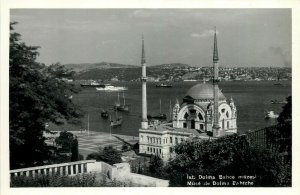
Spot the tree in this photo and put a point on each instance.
(285, 117)
(229, 155)
(107, 154)
(156, 164)
(65, 141)
(74, 149)
(38, 95)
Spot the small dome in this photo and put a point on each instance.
(203, 91)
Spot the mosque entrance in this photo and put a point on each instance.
(192, 124)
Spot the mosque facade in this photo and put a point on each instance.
(203, 113)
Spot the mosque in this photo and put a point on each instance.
(196, 117)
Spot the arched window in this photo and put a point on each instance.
(227, 124)
(186, 115)
(227, 114)
(200, 116)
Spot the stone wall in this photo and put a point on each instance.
(120, 172)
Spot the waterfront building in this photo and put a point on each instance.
(204, 113)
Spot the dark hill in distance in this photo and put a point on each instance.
(171, 65)
(122, 72)
(83, 67)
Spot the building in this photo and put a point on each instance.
(196, 117)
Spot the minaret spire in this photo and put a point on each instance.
(216, 56)
(216, 127)
(143, 51)
(144, 124)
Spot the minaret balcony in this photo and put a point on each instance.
(144, 78)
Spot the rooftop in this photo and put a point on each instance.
(203, 91)
(167, 127)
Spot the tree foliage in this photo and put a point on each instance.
(74, 149)
(65, 141)
(56, 180)
(230, 155)
(156, 164)
(38, 95)
(106, 154)
(285, 117)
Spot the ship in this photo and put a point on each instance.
(108, 87)
(92, 84)
(104, 114)
(160, 116)
(119, 107)
(163, 85)
(117, 122)
(270, 114)
(278, 102)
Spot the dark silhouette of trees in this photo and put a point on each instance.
(106, 154)
(37, 95)
(74, 150)
(230, 155)
(155, 165)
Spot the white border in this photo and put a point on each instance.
(4, 99)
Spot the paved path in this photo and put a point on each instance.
(89, 143)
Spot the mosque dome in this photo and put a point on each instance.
(203, 91)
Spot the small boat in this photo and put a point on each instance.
(278, 102)
(160, 116)
(117, 122)
(163, 85)
(119, 107)
(108, 87)
(104, 114)
(270, 114)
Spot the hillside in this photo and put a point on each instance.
(107, 71)
(84, 67)
(171, 65)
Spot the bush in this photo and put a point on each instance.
(56, 180)
(107, 154)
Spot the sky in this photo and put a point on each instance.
(246, 37)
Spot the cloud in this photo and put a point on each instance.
(283, 55)
(205, 33)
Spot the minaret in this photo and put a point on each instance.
(216, 127)
(144, 124)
